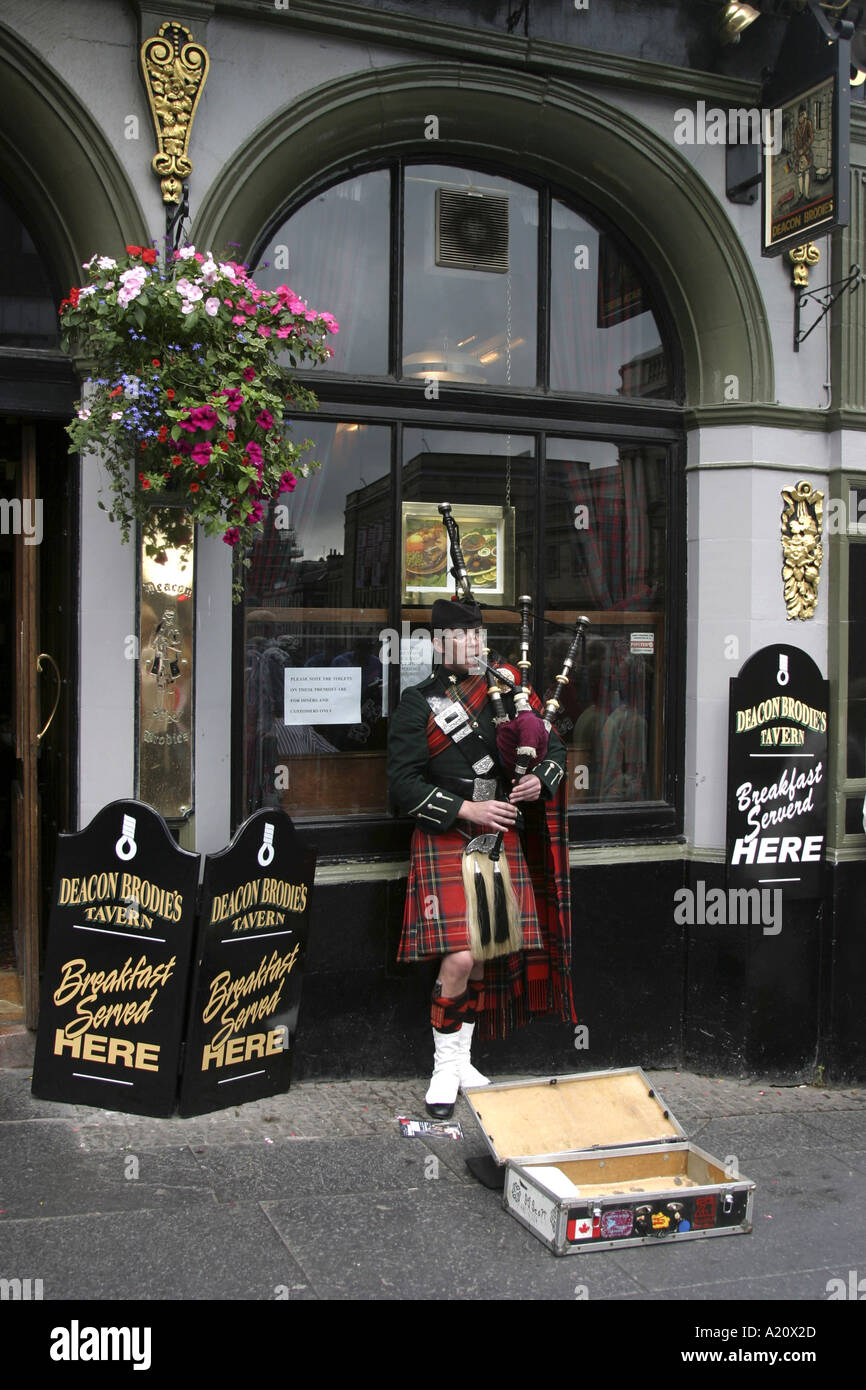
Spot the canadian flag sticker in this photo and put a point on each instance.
(580, 1228)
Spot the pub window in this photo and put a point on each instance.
(28, 312)
(485, 312)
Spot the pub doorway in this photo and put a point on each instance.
(38, 622)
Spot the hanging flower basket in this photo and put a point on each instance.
(186, 406)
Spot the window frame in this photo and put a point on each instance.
(397, 403)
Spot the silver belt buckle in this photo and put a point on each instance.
(451, 718)
(484, 764)
(484, 789)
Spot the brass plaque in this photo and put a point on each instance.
(166, 622)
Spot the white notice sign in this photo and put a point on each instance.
(643, 642)
(323, 695)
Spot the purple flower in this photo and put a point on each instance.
(204, 417)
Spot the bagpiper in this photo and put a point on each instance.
(488, 891)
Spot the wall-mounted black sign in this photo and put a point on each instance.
(777, 773)
(806, 115)
(255, 913)
(117, 965)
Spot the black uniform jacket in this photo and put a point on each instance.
(414, 778)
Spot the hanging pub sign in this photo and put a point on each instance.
(805, 123)
(120, 942)
(777, 773)
(255, 913)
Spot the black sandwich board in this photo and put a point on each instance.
(255, 914)
(119, 947)
(777, 773)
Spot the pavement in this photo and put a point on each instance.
(315, 1195)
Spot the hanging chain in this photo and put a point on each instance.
(508, 383)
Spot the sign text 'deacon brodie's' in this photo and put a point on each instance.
(256, 902)
(118, 955)
(777, 773)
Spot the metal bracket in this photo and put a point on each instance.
(826, 296)
(174, 220)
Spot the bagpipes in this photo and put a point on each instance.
(492, 911)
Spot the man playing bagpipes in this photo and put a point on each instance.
(488, 887)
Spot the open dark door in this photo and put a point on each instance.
(37, 719)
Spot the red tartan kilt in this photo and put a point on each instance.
(434, 920)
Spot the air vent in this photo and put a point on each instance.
(471, 231)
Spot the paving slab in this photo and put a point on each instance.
(439, 1242)
(218, 1252)
(43, 1173)
(317, 1167)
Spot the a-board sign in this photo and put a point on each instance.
(255, 913)
(777, 773)
(119, 948)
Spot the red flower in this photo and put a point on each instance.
(170, 394)
(176, 460)
(118, 390)
(231, 436)
(193, 487)
(163, 434)
(143, 445)
(155, 362)
(134, 250)
(145, 483)
(148, 255)
(223, 443)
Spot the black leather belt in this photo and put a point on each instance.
(474, 789)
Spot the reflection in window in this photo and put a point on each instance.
(470, 280)
(606, 526)
(856, 661)
(28, 313)
(334, 254)
(603, 335)
(315, 605)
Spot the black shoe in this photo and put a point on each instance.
(439, 1112)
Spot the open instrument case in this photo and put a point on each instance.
(597, 1160)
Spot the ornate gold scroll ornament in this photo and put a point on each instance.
(802, 548)
(175, 70)
(801, 259)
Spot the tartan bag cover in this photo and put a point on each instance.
(536, 980)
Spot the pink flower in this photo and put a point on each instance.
(201, 454)
(233, 396)
(256, 514)
(239, 319)
(265, 419)
(254, 451)
(283, 332)
(232, 536)
(204, 417)
(288, 482)
(263, 331)
(211, 305)
(330, 323)
(248, 374)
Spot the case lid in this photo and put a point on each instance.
(566, 1114)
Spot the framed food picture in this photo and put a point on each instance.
(487, 542)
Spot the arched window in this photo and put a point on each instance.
(502, 350)
(28, 312)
